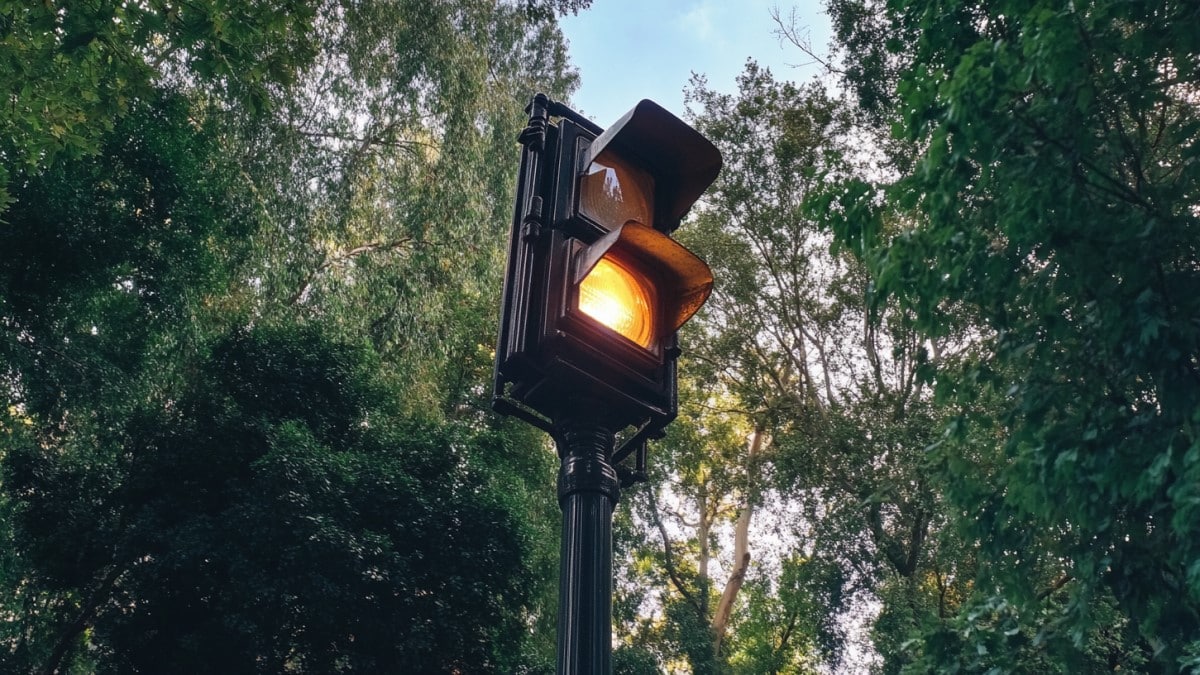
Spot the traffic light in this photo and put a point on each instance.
(596, 288)
(594, 293)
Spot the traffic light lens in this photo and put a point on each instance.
(613, 192)
(620, 300)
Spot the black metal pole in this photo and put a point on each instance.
(588, 490)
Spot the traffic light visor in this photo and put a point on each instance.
(682, 161)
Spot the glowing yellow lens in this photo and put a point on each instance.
(616, 298)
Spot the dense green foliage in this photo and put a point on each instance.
(72, 74)
(276, 509)
(243, 427)
(1049, 209)
(940, 414)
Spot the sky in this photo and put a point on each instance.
(627, 50)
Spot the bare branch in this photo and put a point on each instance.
(801, 39)
(669, 559)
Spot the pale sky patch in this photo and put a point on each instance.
(627, 50)
(697, 22)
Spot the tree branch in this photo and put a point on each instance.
(669, 560)
(1058, 583)
(81, 622)
(373, 247)
(787, 30)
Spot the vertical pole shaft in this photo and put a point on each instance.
(588, 490)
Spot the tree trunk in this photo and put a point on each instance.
(702, 531)
(741, 548)
(82, 621)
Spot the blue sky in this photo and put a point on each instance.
(627, 50)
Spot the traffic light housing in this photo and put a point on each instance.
(595, 287)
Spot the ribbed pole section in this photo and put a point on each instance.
(588, 490)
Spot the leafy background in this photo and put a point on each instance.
(940, 414)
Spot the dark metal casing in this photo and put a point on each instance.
(549, 352)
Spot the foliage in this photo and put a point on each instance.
(280, 509)
(779, 625)
(246, 317)
(800, 336)
(804, 422)
(386, 181)
(109, 256)
(1053, 211)
(633, 661)
(73, 72)
(989, 636)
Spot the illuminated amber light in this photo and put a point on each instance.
(616, 298)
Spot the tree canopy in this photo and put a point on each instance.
(939, 415)
(243, 380)
(1049, 208)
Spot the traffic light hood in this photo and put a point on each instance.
(683, 162)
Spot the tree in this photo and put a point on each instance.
(386, 181)
(109, 296)
(748, 361)
(283, 511)
(110, 255)
(73, 72)
(217, 234)
(1053, 204)
(805, 418)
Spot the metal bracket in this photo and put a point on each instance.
(531, 223)
(637, 474)
(506, 406)
(534, 135)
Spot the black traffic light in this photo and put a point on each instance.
(596, 288)
(594, 293)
